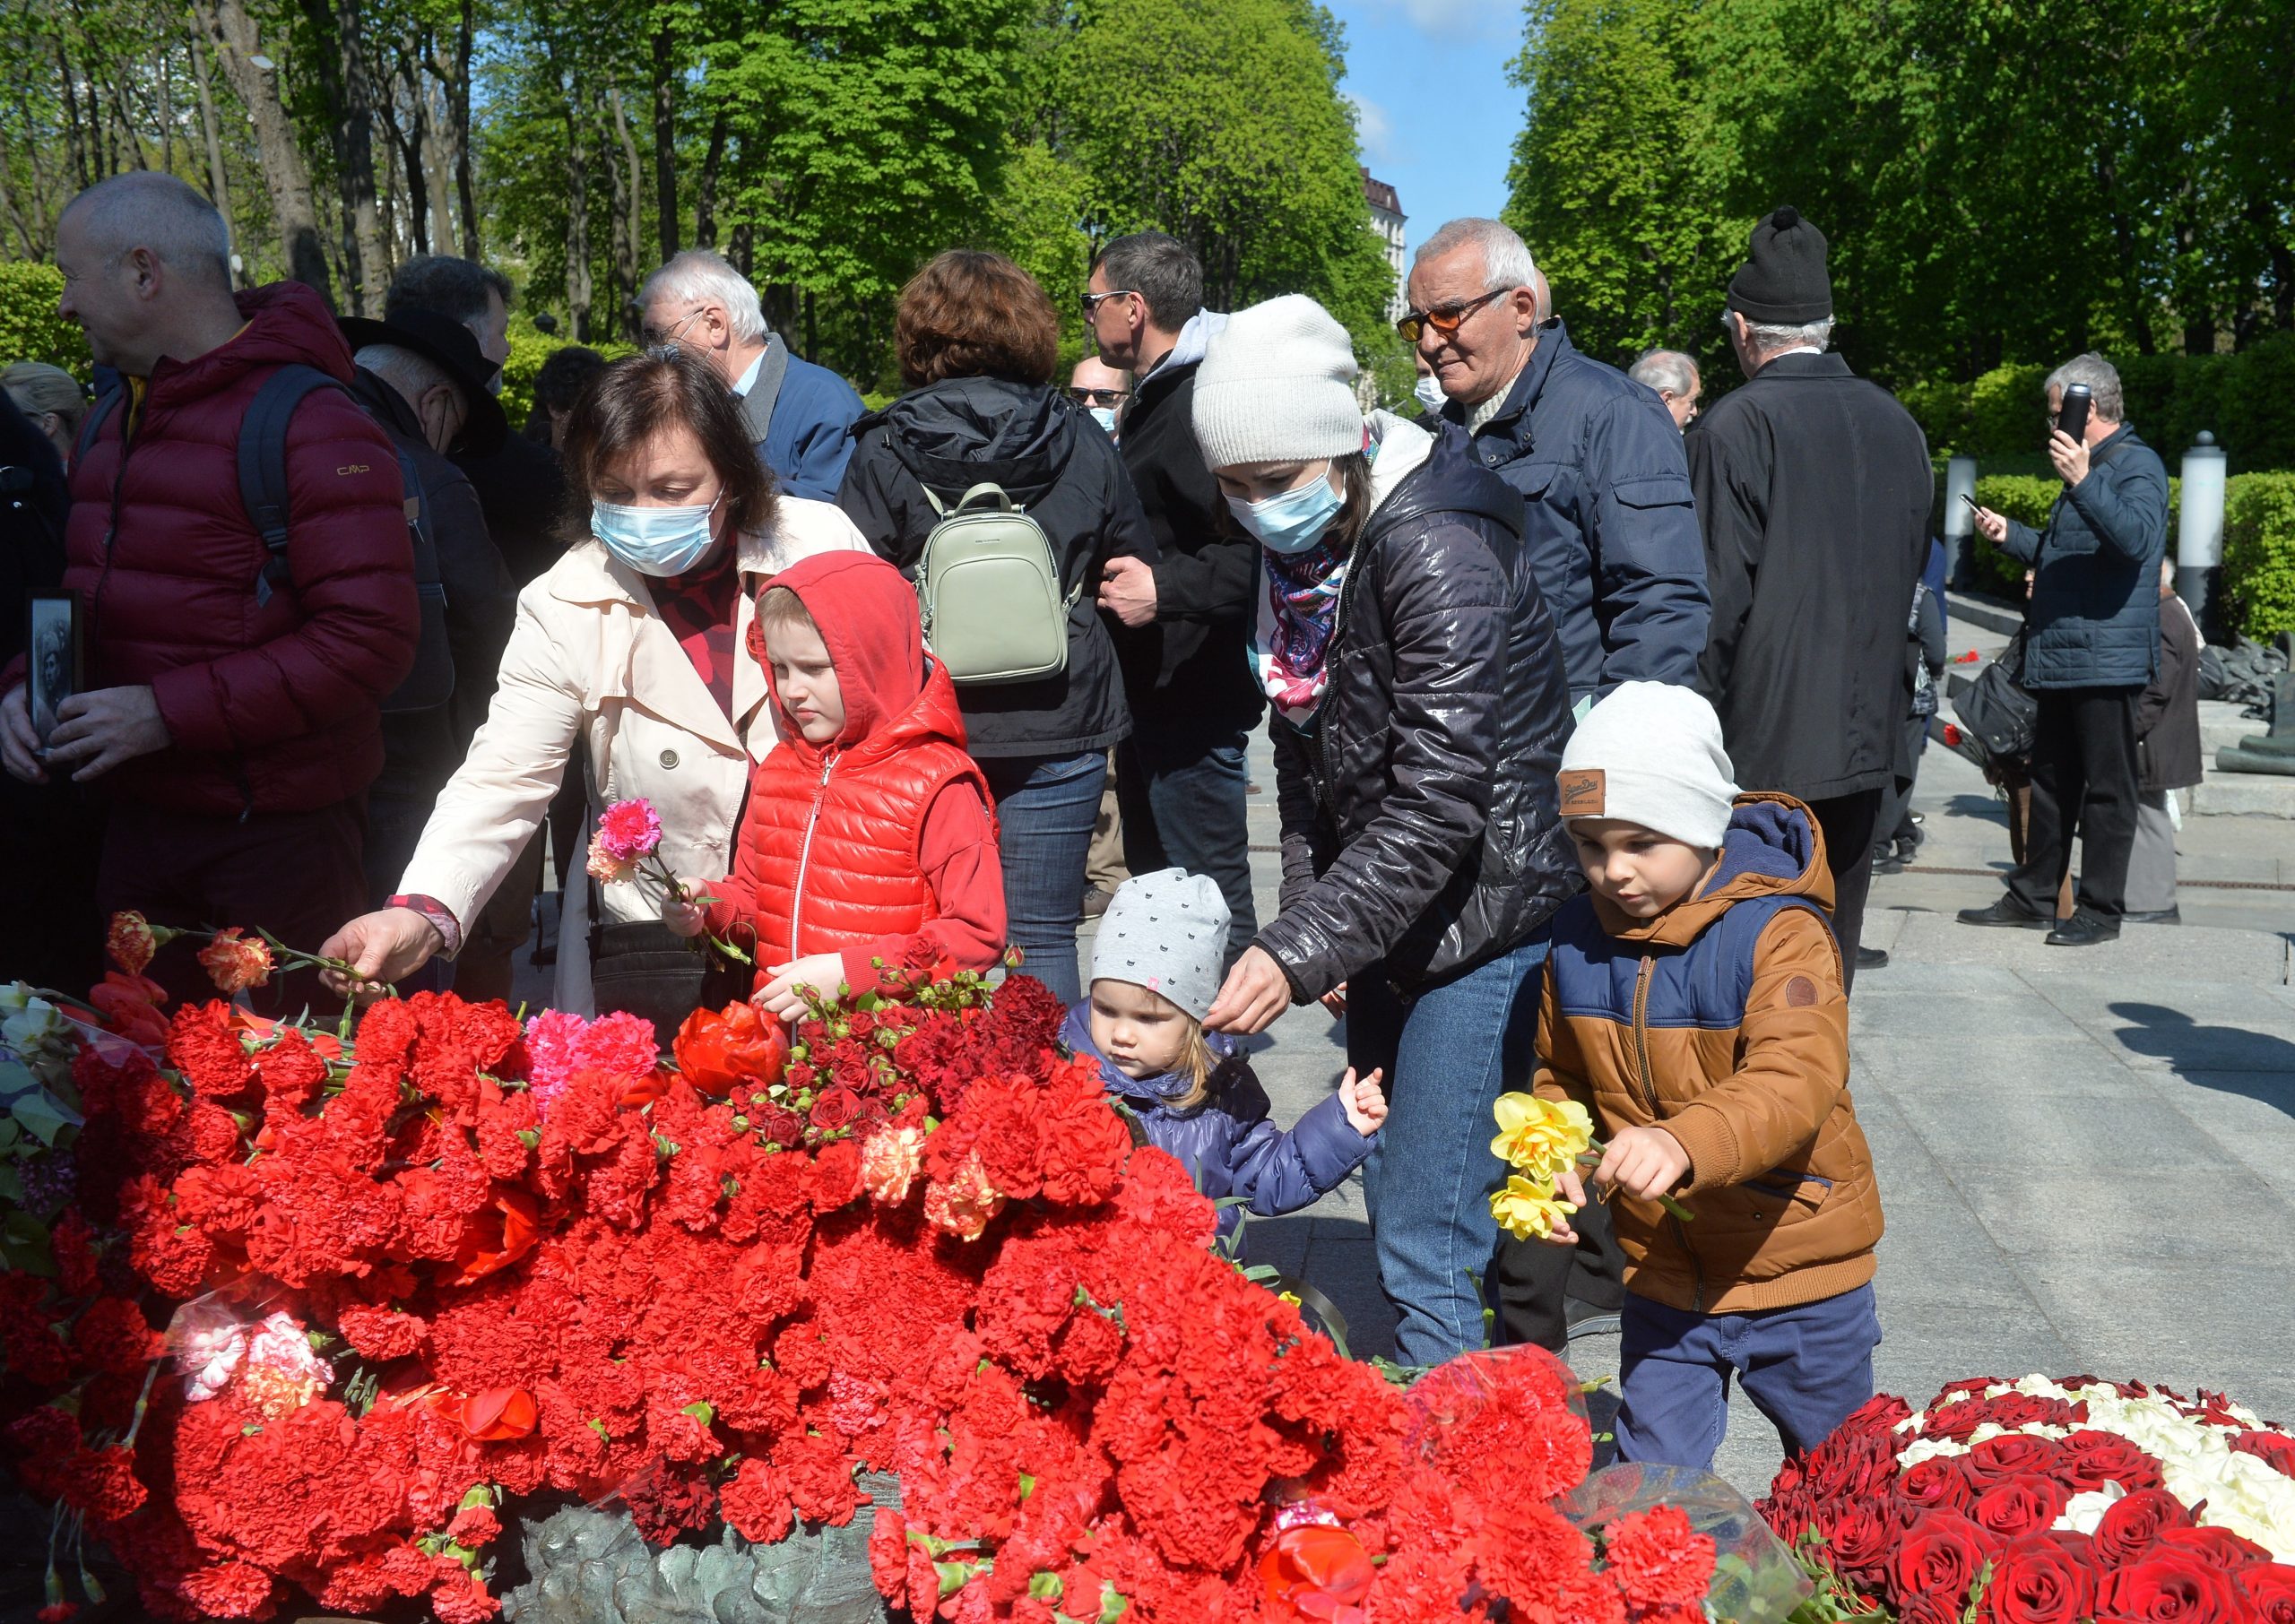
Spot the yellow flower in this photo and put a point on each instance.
(1528, 1208)
(1541, 1137)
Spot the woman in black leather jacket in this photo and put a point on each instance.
(1420, 709)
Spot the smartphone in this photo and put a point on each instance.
(1971, 502)
(2072, 418)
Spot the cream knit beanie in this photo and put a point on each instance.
(1278, 385)
(1650, 753)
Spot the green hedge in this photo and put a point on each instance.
(30, 330)
(2246, 401)
(528, 348)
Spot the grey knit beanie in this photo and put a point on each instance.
(1165, 931)
(1650, 753)
(1278, 385)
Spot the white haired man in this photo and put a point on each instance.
(800, 415)
(1674, 376)
(1610, 529)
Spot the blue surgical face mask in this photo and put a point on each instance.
(1105, 416)
(1292, 520)
(1429, 391)
(655, 540)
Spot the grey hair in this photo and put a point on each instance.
(1767, 338)
(2102, 379)
(1506, 260)
(410, 374)
(704, 275)
(1665, 370)
(35, 387)
(159, 213)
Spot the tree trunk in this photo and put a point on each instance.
(407, 140)
(577, 227)
(8, 207)
(219, 192)
(436, 154)
(630, 206)
(71, 136)
(164, 92)
(458, 109)
(284, 174)
(742, 250)
(665, 133)
(349, 91)
(705, 191)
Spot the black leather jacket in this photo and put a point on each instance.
(1420, 831)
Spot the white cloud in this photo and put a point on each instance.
(1375, 130)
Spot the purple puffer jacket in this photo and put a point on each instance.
(1226, 1144)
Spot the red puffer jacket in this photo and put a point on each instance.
(854, 845)
(273, 709)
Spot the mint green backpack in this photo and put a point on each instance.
(988, 591)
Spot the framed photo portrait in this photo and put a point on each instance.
(51, 656)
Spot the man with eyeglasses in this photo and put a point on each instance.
(1100, 390)
(1612, 530)
(800, 415)
(1180, 777)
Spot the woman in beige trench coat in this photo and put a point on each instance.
(668, 490)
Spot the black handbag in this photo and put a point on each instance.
(1997, 709)
(646, 969)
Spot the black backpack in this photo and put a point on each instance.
(263, 492)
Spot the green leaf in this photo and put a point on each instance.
(1044, 1586)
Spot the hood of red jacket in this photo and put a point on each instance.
(287, 324)
(865, 610)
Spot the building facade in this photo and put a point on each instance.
(1387, 215)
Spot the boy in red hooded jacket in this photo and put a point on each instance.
(867, 836)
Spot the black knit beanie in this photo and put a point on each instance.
(1784, 284)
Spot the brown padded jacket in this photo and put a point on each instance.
(1723, 1020)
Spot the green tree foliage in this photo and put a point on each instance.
(30, 330)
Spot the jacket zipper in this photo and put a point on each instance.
(805, 857)
(1650, 1098)
(1325, 791)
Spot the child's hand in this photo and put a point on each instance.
(1644, 1162)
(685, 919)
(821, 972)
(1362, 1100)
(1571, 1189)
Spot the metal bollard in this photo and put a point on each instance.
(2199, 532)
(1960, 525)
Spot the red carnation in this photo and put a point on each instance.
(1661, 1563)
(756, 1502)
(818, 1477)
(235, 961)
(2132, 1524)
(2168, 1586)
(113, 1337)
(102, 1482)
(203, 1046)
(2042, 1579)
(380, 1333)
(463, 1598)
(473, 1526)
(837, 1174)
(229, 1590)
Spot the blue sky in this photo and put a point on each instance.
(1438, 119)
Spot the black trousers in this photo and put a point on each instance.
(1535, 1280)
(1849, 822)
(2084, 781)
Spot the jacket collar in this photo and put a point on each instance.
(1553, 343)
(1164, 1087)
(657, 668)
(1773, 848)
(1792, 368)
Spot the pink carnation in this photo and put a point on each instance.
(628, 830)
(558, 1045)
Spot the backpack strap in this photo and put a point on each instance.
(92, 424)
(1002, 499)
(262, 466)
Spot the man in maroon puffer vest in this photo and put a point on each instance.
(235, 739)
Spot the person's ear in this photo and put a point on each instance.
(1524, 301)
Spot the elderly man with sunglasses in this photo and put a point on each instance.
(1612, 530)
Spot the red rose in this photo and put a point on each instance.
(2274, 1450)
(2000, 1460)
(2168, 1586)
(1860, 1536)
(2040, 1579)
(1937, 1482)
(2133, 1524)
(2092, 1459)
(2272, 1592)
(2025, 1505)
(2219, 1546)
(1938, 1561)
(836, 1108)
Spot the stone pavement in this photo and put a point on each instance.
(2087, 1156)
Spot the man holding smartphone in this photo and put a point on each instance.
(2092, 641)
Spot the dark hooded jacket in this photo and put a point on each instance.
(1056, 464)
(1228, 1144)
(1420, 829)
(2094, 617)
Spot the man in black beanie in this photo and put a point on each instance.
(1813, 489)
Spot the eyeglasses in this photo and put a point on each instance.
(1097, 397)
(1093, 301)
(1445, 319)
(657, 339)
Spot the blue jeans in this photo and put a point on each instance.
(1182, 804)
(1045, 807)
(1806, 1368)
(1448, 1053)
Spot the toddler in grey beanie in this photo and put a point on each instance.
(1165, 931)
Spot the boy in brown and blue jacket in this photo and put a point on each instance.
(1693, 1005)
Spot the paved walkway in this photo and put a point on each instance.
(2087, 1156)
